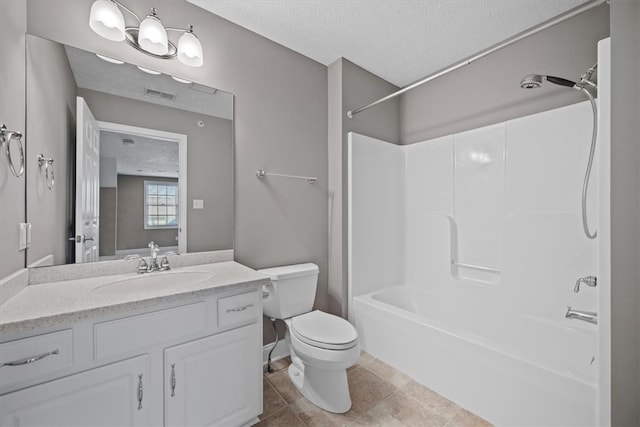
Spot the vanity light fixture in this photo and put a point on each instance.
(149, 71)
(150, 37)
(178, 79)
(109, 59)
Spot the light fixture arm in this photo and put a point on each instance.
(125, 8)
(182, 30)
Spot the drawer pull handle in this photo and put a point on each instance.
(243, 308)
(31, 359)
(140, 392)
(173, 380)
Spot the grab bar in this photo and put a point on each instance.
(477, 267)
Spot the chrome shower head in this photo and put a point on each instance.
(532, 81)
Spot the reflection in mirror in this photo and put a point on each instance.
(139, 157)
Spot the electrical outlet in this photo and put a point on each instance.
(198, 204)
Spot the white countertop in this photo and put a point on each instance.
(49, 304)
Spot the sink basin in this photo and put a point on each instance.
(153, 281)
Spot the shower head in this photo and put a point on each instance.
(534, 81)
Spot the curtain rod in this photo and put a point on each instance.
(513, 39)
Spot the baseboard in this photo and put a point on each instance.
(281, 350)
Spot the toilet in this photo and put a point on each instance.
(322, 345)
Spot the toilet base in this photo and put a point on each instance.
(327, 389)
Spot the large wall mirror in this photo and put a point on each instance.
(119, 156)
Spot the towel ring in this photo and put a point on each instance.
(7, 136)
(47, 162)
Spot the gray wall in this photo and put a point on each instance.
(51, 127)
(12, 114)
(209, 162)
(280, 124)
(350, 87)
(625, 212)
(130, 232)
(108, 216)
(488, 91)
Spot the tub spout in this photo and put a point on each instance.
(585, 316)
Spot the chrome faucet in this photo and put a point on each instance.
(585, 316)
(153, 265)
(589, 281)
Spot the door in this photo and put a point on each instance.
(113, 395)
(87, 183)
(214, 381)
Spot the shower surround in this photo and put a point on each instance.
(464, 251)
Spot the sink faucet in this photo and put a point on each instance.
(153, 265)
(585, 316)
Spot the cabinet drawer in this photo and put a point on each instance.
(134, 333)
(35, 357)
(238, 309)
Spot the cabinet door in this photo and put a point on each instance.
(103, 396)
(215, 380)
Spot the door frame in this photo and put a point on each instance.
(181, 139)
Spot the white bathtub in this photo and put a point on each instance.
(443, 345)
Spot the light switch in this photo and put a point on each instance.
(28, 235)
(22, 244)
(198, 204)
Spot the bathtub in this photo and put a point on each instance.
(505, 377)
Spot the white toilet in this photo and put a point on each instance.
(322, 345)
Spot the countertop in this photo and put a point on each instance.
(50, 304)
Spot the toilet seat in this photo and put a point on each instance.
(324, 330)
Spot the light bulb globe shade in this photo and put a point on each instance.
(152, 36)
(106, 20)
(190, 50)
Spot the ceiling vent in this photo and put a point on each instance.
(158, 94)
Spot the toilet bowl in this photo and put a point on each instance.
(322, 346)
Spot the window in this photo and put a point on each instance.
(160, 204)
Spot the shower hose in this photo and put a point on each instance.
(585, 185)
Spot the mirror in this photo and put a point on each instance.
(118, 156)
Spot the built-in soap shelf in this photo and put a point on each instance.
(468, 271)
(478, 273)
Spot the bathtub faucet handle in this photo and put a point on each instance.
(589, 281)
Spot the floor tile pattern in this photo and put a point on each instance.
(380, 394)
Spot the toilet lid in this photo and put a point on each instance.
(324, 330)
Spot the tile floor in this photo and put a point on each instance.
(381, 396)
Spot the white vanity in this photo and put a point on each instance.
(174, 348)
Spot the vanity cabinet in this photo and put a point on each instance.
(109, 395)
(195, 363)
(212, 381)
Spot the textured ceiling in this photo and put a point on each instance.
(398, 40)
(147, 156)
(126, 80)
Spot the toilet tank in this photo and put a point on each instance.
(292, 290)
